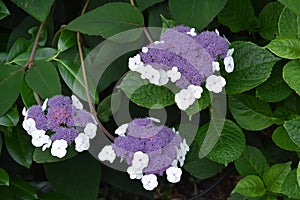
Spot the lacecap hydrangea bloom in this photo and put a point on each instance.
(149, 149)
(58, 123)
(186, 58)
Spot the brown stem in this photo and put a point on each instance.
(92, 109)
(132, 2)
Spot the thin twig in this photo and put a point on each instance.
(132, 2)
(92, 109)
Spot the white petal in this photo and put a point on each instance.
(230, 52)
(121, 130)
(140, 160)
(44, 106)
(107, 153)
(192, 32)
(164, 79)
(173, 174)
(215, 66)
(29, 125)
(59, 148)
(134, 173)
(174, 75)
(149, 182)
(47, 145)
(154, 119)
(90, 130)
(145, 49)
(184, 99)
(82, 142)
(24, 112)
(196, 90)
(76, 103)
(217, 32)
(229, 64)
(215, 83)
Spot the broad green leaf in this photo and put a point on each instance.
(43, 36)
(288, 24)
(20, 46)
(282, 139)
(166, 23)
(195, 13)
(10, 118)
(38, 9)
(4, 177)
(250, 112)
(268, 19)
(1, 142)
(291, 75)
(200, 104)
(229, 146)
(154, 19)
(144, 4)
(77, 178)
(73, 77)
(109, 106)
(274, 89)
(275, 176)
(22, 190)
(6, 193)
(292, 4)
(10, 80)
(238, 15)
(3, 57)
(293, 126)
(253, 66)
(288, 48)
(43, 79)
(144, 94)
(109, 20)
(27, 94)
(3, 10)
(250, 186)
(298, 174)
(290, 186)
(67, 39)
(52, 196)
(19, 147)
(251, 162)
(200, 168)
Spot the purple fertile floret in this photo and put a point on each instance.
(67, 134)
(37, 114)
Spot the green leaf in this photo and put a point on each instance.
(268, 19)
(73, 77)
(20, 46)
(11, 118)
(200, 168)
(292, 4)
(288, 24)
(195, 13)
(4, 177)
(23, 190)
(288, 48)
(167, 23)
(250, 112)
(230, 144)
(291, 74)
(274, 89)
(282, 139)
(253, 66)
(107, 20)
(10, 80)
(293, 126)
(200, 104)
(144, 4)
(52, 195)
(275, 176)
(250, 186)
(38, 9)
(238, 15)
(67, 39)
(109, 106)
(290, 186)
(251, 162)
(27, 94)
(3, 10)
(19, 147)
(43, 36)
(298, 174)
(43, 79)
(77, 178)
(1, 142)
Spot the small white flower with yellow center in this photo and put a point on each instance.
(59, 148)
(215, 83)
(107, 153)
(121, 130)
(82, 142)
(174, 174)
(149, 182)
(90, 130)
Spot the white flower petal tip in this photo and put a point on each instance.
(217, 32)
(39, 138)
(24, 112)
(192, 32)
(195, 90)
(154, 119)
(29, 125)
(135, 62)
(76, 103)
(148, 72)
(164, 79)
(140, 160)
(47, 145)
(229, 64)
(149, 182)
(44, 106)
(121, 130)
(215, 66)
(90, 130)
(230, 52)
(174, 174)
(184, 146)
(215, 83)
(134, 173)
(82, 142)
(174, 163)
(107, 154)
(184, 99)
(145, 49)
(174, 74)
(158, 42)
(181, 156)
(59, 148)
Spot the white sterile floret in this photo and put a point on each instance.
(158, 42)
(145, 49)
(107, 153)
(174, 163)
(149, 182)
(82, 142)
(174, 174)
(154, 119)
(59, 148)
(135, 173)
(39, 138)
(196, 90)
(140, 160)
(181, 156)
(215, 66)
(174, 74)
(229, 64)
(121, 130)
(135, 62)
(184, 146)
(44, 106)
(192, 32)
(148, 72)
(164, 79)
(24, 112)
(76, 103)
(217, 32)
(184, 99)
(29, 125)
(215, 83)
(90, 130)
(47, 145)
(230, 52)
